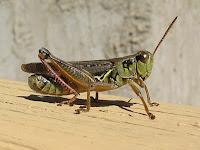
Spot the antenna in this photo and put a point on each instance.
(164, 35)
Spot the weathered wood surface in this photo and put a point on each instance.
(75, 30)
(31, 122)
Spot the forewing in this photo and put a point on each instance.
(95, 67)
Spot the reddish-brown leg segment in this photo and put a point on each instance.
(63, 84)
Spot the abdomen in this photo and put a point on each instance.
(46, 85)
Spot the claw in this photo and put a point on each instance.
(81, 109)
(77, 111)
(151, 116)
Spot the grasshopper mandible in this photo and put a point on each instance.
(56, 77)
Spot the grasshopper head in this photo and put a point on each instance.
(144, 59)
(144, 62)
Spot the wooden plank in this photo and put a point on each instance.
(29, 121)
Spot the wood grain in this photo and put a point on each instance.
(29, 121)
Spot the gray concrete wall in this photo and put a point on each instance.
(97, 29)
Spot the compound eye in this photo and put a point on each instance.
(142, 57)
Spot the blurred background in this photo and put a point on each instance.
(99, 29)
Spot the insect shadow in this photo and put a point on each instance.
(99, 103)
(94, 103)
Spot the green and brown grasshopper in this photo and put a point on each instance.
(56, 77)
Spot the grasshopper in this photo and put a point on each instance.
(56, 77)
